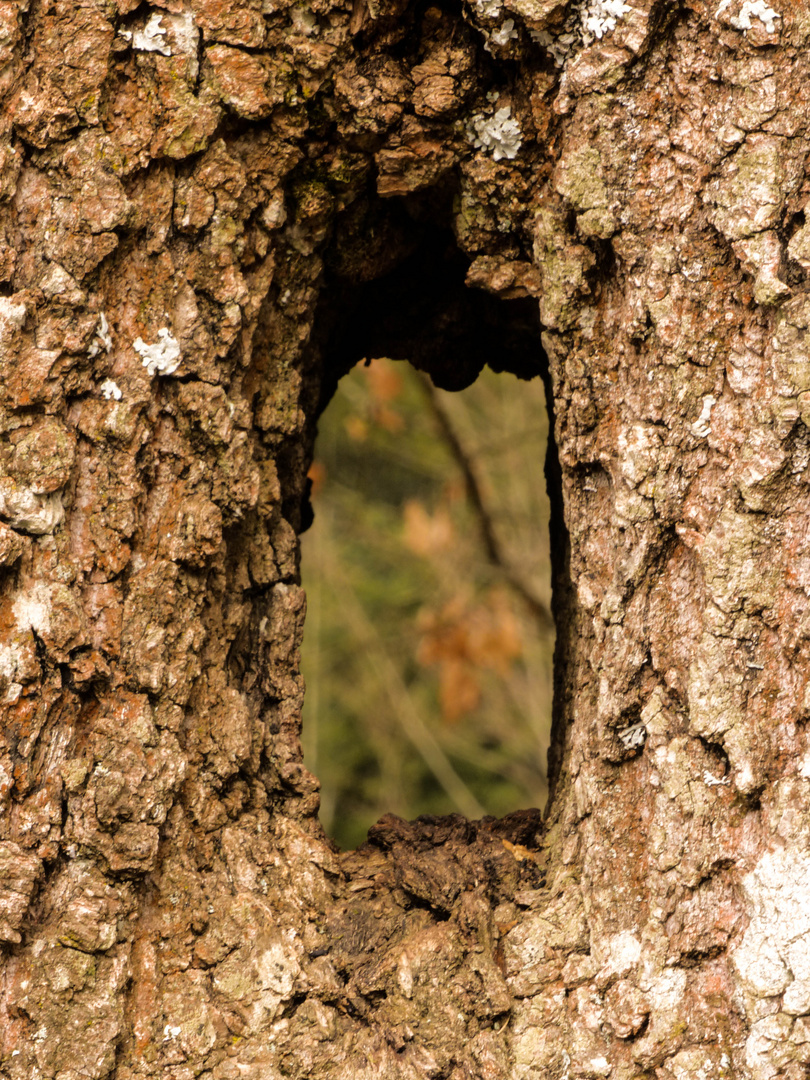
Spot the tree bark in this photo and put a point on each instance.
(209, 212)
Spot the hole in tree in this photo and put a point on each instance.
(428, 644)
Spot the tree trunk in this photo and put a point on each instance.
(209, 213)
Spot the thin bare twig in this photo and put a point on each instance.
(492, 545)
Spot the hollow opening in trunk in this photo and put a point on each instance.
(428, 644)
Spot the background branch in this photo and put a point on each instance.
(492, 545)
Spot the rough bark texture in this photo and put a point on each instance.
(208, 213)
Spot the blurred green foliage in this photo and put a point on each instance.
(428, 676)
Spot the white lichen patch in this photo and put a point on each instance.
(111, 390)
(277, 967)
(163, 357)
(715, 781)
(186, 34)
(752, 9)
(797, 995)
(664, 992)
(559, 47)
(768, 1047)
(599, 17)
(32, 611)
(28, 511)
(699, 1063)
(666, 989)
(623, 954)
(12, 316)
(633, 736)
(504, 34)
(151, 38)
(590, 21)
(490, 9)
(102, 338)
(498, 133)
(773, 956)
(702, 426)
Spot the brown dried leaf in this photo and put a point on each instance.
(426, 533)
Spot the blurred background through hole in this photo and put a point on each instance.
(428, 646)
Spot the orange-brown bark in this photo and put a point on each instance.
(208, 213)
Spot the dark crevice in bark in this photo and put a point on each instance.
(562, 595)
(398, 30)
(395, 286)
